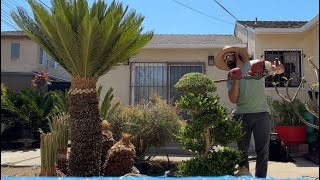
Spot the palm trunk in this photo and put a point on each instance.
(85, 126)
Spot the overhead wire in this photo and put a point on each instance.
(245, 26)
(226, 10)
(6, 20)
(11, 5)
(44, 4)
(202, 12)
(5, 15)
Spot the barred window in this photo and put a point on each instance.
(292, 62)
(158, 78)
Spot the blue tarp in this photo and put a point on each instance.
(144, 178)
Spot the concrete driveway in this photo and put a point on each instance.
(300, 168)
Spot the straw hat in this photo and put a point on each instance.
(221, 64)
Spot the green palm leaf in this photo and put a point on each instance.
(85, 41)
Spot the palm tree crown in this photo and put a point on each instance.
(85, 41)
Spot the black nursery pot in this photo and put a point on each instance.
(143, 167)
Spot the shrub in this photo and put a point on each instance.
(150, 126)
(195, 83)
(208, 126)
(218, 163)
(29, 108)
(285, 113)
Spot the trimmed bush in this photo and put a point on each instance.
(218, 163)
(208, 126)
(195, 83)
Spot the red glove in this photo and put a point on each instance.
(235, 74)
(257, 68)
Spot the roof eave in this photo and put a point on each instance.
(278, 30)
(311, 23)
(191, 46)
(303, 29)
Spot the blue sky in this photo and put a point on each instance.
(169, 17)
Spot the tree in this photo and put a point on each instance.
(209, 126)
(87, 42)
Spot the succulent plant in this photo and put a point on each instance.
(120, 157)
(107, 141)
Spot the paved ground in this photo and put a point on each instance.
(300, 168)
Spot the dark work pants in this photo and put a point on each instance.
(259, 124)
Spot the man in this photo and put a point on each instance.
(251, 103)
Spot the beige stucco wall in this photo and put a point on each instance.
(28, 55)
(308, 42)
(119, 78)
(29, 58)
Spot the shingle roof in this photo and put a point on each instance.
(13, 33)
(172, 38)
(273, 24)
(194, 39)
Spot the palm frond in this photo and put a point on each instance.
(86, 42)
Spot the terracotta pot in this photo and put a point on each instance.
(292, 134)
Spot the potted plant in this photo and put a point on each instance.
(289, 127)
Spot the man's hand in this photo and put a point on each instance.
(235, 74)
(257, 68)
(277, 67)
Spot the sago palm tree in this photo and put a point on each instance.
(87, 42)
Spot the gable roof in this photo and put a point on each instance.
(13, 33)
(174, 40)
(279, 27)
(193, 41)
(273, 24)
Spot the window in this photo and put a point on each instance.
(54, 64)
(15, 51)
(43, 57)
(291, 60)
(160, 78)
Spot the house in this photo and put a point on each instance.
(293, 42)
(21, 58)
(167, 57)
(160, 64)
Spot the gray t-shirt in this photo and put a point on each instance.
(252, 98)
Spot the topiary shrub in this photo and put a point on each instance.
(219, 163)
(195, 83)
(208, 126)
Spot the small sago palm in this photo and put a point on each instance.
(87, 42)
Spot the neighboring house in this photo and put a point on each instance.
(158, 66)
(21, 58)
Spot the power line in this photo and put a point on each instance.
(2, 20)
(202, 12)
(9, 23)
(18, 5)
(5, 15)
(226, 10)
(45, 4)
(8, 5)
